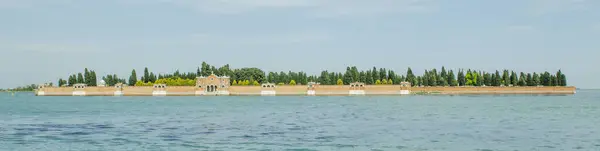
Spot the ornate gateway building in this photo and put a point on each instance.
(213, 83)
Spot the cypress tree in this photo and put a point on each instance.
(522, 80)
(410, 77)
(461, 78)
(392, 75)
(132, 78)
(146, 76)
(376, 75)
(425, 79)
(563, 79)
(80, 78)
(480, 79)
(94, 81)
(514, 79)
(151, 78)
(60, 82)
(72, 80)
(433, 78)
(369, 77)
(536, 79)
(382, 74)
(86, 77)
(442, 77)
(362, 76)
(530, 81)
(505, 78)
(488, 79)
(559, 78)
(498, 80)
(452, 79)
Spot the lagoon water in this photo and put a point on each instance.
(432, 123)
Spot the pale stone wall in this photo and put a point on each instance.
(303, 90)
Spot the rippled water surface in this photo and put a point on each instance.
(461, 123)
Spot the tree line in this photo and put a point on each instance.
(373, 76)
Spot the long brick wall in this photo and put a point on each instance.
(302, 90)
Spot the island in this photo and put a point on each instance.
(223, 81)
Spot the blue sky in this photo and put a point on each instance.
(43, 40)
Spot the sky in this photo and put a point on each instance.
(42, 41)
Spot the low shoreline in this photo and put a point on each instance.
(300, 90)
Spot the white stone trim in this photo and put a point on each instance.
(404, 92)
(268, 93)
(222, 92)
(311, 92)
(78, 93)
(356, 92)
(159, 93)
(118, 93)
(41, 93)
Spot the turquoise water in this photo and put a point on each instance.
(461, 123)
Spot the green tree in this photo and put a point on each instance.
(324, 78)
(60, 82)
(340, 82)
(378, 82)
(425, 78)
(393, 77)
(469, 78)
(505, 78)
(376, 75)
(363, 77)
(410, 77)
(94, 81)
(514, 79)
(80, 78)
(488, 79)
(498, 79)
(522, 79)
(480, 79)
(536, 79)
(348, 76)
(370, 79)
(452, 79)
(87, 77)
(433, 78)
(461, 78)
(133, 78)
(292, 82)
(146, 76)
